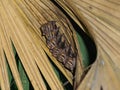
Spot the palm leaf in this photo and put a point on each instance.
(102, 21)
(20, 35)
(27, 62)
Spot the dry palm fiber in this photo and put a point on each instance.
(21, 20)
(103, 16)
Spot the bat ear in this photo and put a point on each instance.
(52, 25)
(44, 30)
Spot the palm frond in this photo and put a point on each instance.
(26, 59)
(104, 26)
(20, 29)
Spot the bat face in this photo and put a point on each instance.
(58, 45)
